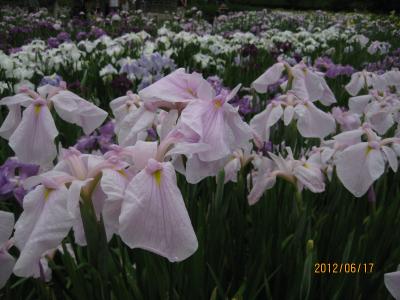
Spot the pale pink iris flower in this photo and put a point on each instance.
(361, 163)
(303, 173)
(379, 109)
(365, 80)
(311, 121)
(211, 121)
(304, 82)
(153, 213)
(52, 208)
(32, 135)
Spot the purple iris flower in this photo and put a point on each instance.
(81, 35)
(12, 175)
(53, 80)
(101, 139)
(53, 42)
(63, 37)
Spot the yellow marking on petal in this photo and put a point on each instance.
(306, 165)
(191, 92)
(157, 176)
(46, 193)
(217, 104)
(37, 109)
(368, 150)
(123, 173)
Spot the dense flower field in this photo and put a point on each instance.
(254, 157)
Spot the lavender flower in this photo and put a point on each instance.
(101, 139)
(53, 42)
(12, 175)
(53, 80)
(63, 37)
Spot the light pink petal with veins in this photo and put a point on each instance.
(42, 226)
(33, 139)
(154, 217)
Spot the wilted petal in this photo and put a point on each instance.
(154, 216)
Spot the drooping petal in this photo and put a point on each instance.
(391, 157)
(260, 186)
(313, 122)
(356, 83)
(231, 169)
(262, 180)
(359, 103)
(11, 122)
(288, 115)
(311, 177)
(168, 123)
(392, 283)
(33, 139)
(153, 215)
(134, 123)
(275, 115)
(42, 226)
(7, 263)
(259, 124)
(381, 121)
(6, 226)
(350, 137)
(178, 86)
(358, 167)
(197, 170)
(113, 184)
(141, 153)
(214, 134)
(77, 110)
(20, 99)
(306, 86)
(271, 76)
